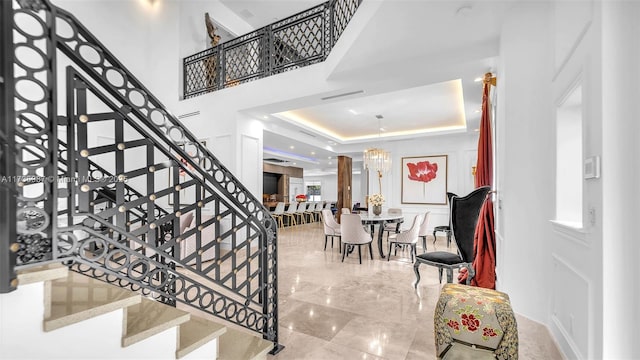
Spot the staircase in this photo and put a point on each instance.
(66, 310)
(117, 223)
(126, 236)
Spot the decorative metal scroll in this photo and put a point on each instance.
(125, 199)
(111, 258)
(300, 40)
(35, 146)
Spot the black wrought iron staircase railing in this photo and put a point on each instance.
(97, 174)
(297, 41)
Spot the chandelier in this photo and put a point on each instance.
(377, 159)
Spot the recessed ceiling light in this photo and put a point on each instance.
(329, 157)
(291, 147)
(383, 129)
(295, 164)
(478, 79)
(353, 112)
(330, 163)
(313, 153)
(265, 117)
(476, 129)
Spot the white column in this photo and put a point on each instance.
(620, 173)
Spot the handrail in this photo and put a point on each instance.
(299, 40)
(164, 124)
(224, 264)
(153, 276)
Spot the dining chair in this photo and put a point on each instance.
(302, 208)
(424, 231)
(406, 238)
(318, 211)
(331, 229)
(311, 208)
(464, 217)
(345, 211)
(290, 214)
(392, 227)
(278, 214)
(352, 234)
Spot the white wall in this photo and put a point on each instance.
(145, 39)
(526, 139)
(461, 151)
(620, 202)
(193, 32)
(329, 188)
(567, 277)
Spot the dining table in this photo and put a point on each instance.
(384, 218)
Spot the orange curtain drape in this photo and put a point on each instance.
(485, 239)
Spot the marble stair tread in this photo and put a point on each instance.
(238, 345)
(149, 318)
(78, 297)
(42, 273)
(195, 333)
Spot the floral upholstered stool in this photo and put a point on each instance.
(474, 323)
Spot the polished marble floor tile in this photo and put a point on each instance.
(376, 310)
(316, 320)
(302, 346)
(380, 338)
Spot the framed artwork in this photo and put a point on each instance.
(187, 196)
(424, 180)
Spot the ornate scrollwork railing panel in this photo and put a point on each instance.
(128, 194)
(112, 259)
(181, 182)
(300, 40)
(343, 11)
(34, 84)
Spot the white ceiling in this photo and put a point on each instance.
(405, 112)
(416, 62)
(259, 13)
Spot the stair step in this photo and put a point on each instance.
(238, 345)
(78, 297)
(149, 318)
(42, 273)
(195, 333)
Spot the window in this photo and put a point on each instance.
(569, 159)
(313, 191)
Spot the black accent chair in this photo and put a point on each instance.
(445, 228)
(464, 217)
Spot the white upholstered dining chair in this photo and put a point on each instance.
(352, 234)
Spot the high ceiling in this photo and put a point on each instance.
(415, 62)
(259, 13)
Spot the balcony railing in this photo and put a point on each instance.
(300, 40)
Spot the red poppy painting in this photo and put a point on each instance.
(422, 171)
(424, 180)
